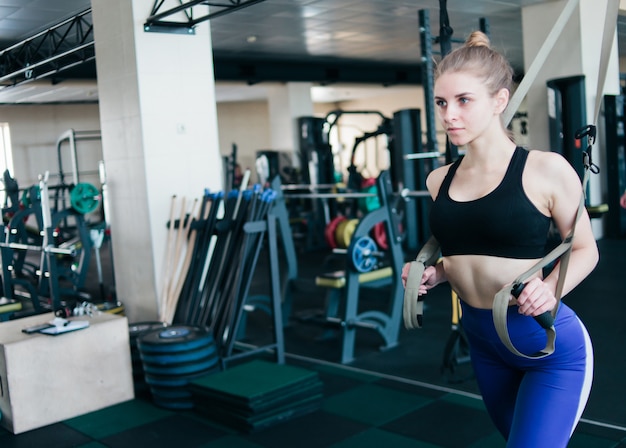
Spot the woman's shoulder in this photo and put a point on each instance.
(435, 179)
(549, 165)
(550, 161)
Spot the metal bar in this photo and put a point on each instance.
(306, 186)
(427, 79)
(329, 195)
(424, 155)
(47, 249)
(403, 193)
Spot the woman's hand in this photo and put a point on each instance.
(536, 298)
(429, 278)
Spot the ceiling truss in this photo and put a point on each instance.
(63, 46)
(157, 22)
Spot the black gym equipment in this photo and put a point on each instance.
(615, 144)
(566, 101)
(46, 252)
(224, 259)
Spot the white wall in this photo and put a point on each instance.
(34, 134)
(247, 125)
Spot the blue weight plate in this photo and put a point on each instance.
(182, 369)
(135, 329)
(172, 404)
(174, 339)
(176, 380)
(178, 357)
(362, 251)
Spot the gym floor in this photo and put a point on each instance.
(400, 397)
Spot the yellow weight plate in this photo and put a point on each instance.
(344, 232)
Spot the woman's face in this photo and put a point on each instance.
(465, 107)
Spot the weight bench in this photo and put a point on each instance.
(344, 288)
(8, 307)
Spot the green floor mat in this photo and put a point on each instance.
(257, 394)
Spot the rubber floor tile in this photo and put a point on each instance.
(173, 431)
(232, 441)
(589, 441)
(598, 432)
(317, 430)
(374, 405)
(444, 424)
(117, 418)
(411, 388)
(495, 440)
(52, 436)
(377, 438)
(336, 384)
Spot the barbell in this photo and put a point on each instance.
(405, 193)
(84, 197)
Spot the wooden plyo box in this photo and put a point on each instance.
(47, 379)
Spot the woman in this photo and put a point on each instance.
(491, 215)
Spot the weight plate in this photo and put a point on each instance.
(370, 203)
(135, 329)
(380, 235)
(174, 339)
(180, 357)
(344, 232)
(329, 231)
(172, 404)
(84, 198)
(363, 254)
(176, 381)
(182, 369)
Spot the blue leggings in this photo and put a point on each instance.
(533, 402)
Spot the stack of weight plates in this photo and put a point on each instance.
(257, 394)
(173, 356)
(135, 330)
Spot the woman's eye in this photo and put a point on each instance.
(463, 100)
(440, 103)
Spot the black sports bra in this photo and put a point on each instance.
(504, 223)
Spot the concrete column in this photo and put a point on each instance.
(159, 137)
(577, 52)
(286, 104)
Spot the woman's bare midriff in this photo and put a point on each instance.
(477, 278)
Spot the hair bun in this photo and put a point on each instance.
(478, 39)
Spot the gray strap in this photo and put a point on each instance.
(503, 297)
(413, 309)
(537, 63)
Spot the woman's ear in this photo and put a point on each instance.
(502, 100)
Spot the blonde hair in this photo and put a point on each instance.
(477, 56)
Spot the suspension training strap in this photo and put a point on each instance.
(413, 309)
(562, 251)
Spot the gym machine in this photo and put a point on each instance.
(615, 143)
(366, 266)
(568, 114)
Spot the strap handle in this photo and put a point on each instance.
(413, 309)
